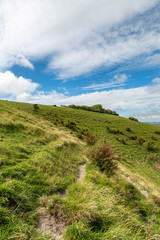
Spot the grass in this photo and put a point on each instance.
(39, 156)
(36, 159)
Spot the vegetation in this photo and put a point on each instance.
(40, 152)
(36, 107)
(133, 119)
(94, 108)
(104, 158)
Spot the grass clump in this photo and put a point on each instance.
(105, 159)
(90, 139)
(149, 146)
(140, 140)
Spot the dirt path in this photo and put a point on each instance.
(82, 171)
(48, 224)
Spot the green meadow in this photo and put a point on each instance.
(40, 153)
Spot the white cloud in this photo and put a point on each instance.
(148, 116)
(117, 81)
(77, 36)
(12, 85)
(121, 100)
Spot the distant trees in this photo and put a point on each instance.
(133, 119)
(94, 108)
(35, 107)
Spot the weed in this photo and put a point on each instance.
(90, 139)
(105, 158)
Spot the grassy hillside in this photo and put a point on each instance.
(39, 155)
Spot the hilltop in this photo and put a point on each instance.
(41, 151)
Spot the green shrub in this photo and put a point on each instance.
(72, 126)
(133, 137)
(140, 140)
(133, 119)
(105, 159)
(114, 131)
(128, 129)
(35, 107)
(149, 146)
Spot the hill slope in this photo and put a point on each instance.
(40, 154)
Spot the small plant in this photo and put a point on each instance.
(35, 107)
(105, 159)
(72, 126)
(90, 139)
(128, 129)
(133, 137)
(149, 146)
(140, 140)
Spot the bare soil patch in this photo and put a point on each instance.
(52, 225)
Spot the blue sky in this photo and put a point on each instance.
(82, 52)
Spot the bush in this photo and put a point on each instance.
(114, 131)
(128, 129)
(133, 137)
(90, 139)
(36, 107)
(149, 146)
(140, 140)
(122, 140)
(105, 159)
(72, 126)
(133, 119)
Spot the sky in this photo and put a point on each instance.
(82, 52)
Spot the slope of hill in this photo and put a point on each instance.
(40, 154)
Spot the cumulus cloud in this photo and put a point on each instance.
(120, 100)
(76, 36)
(15, 86)
(147, 116)
(117, 81)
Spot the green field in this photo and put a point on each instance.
(40, 152)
